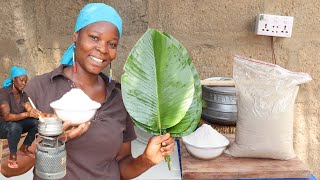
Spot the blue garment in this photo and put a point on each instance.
(91, 13)
(15, 71)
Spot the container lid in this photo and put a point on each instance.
(226, 89)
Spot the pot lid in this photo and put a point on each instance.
(226, 89)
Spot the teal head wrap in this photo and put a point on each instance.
(15, 71)
(91, 13)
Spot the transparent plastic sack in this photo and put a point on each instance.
(266, 94)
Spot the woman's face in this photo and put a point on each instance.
(20, 82)
(96, 46)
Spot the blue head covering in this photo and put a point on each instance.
(15, 71)
(91, 13)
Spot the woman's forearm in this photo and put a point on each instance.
(28, 107)
(16, 117)
(8, 116)
(132, 167)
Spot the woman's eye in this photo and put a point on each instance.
(21, 80)
(95, 38)
(114, 45)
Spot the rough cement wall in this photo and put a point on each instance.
(35, 33)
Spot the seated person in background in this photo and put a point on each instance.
(17, 115)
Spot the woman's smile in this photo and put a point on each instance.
(96, 59)
(97, 62)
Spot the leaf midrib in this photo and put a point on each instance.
(156, 80)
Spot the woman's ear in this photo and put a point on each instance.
(14, 80)
(75, 36)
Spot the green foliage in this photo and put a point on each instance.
(160, 87)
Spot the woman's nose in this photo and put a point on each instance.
(102, 48)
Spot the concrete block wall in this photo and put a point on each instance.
(35, 33)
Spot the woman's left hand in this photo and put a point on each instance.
(158, 147)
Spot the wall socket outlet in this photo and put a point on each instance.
(273, 25)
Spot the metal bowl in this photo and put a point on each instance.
(51, 126)
(219, 103)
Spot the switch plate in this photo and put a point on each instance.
(273, 25)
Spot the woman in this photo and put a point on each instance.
(17, 115)
(101, 148)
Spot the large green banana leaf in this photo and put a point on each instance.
(193, 114)
(158, 84)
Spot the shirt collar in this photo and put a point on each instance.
(59, 72)
(10, 89)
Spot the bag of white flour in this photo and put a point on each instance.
(266, 94)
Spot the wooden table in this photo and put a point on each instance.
(228, 167)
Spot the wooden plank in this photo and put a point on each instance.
(218, 83)
(227, 167)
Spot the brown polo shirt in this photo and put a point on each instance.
(92, 155)
(7, 96)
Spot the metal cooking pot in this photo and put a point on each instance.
(219, 103)
(51, 126)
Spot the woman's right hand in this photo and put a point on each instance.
(34, 113)
(71, 131)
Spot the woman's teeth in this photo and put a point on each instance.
(96, 59)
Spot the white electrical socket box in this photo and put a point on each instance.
(273, 25)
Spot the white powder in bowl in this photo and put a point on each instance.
(75, 99)
(206, 137)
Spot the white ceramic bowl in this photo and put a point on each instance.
(204, 153)
(75, 116)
